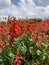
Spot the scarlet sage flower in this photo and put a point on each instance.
(23, 30)
(44, 37)
(1, 43)
(14, 19)
(46, 63)
(48, 37)
(36, 37)
(39, 45)
(43, 26)
(35, 63)
(5, 46)
(1, 28)
(30, 28)
(17, 60)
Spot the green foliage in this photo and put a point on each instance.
(25, 45)
(27, 48)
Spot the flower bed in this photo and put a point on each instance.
(24, 42)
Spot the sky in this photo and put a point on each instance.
(24, 8)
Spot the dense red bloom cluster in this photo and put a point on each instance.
(18, 27)
(18, 59)
(4, 32)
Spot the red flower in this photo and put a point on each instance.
(44, 26)
(36, 37)
(39, 45)
(35, 63)
(5, 46)
(17, 60)
(1, 43)
(46, 63)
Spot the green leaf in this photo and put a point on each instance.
(38, 52)
(23, 50)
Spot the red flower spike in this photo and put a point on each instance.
(1, 43)
(35, 63)
(46, 63)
